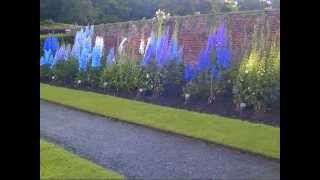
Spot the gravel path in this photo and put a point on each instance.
(139, 152)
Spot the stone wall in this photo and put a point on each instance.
(193, 31)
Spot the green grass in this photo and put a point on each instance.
(257, 138)
(57, 163)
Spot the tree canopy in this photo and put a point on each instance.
(105, 11)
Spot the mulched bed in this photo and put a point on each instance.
(222, 106)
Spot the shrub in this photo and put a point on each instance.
(258, 81)
(173, 78)
(45, 72)
(65, 71)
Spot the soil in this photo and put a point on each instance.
(222, 105)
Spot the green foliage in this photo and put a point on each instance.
(58, 163)
(45, 72)
(65, 71)
(199, 88)
(173, 78)
(106, 11)
(121, 77)
(258, 79)
(153, 79)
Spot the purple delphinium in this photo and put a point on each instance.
(218, 42)
(162, 49)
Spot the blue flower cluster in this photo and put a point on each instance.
(162, 48)
(81, 51)
(217, 45)
(110, 58)
(61, 54)
(47, 58)
(51, 43)
(82, 46)
(97, 52)
(50, 46)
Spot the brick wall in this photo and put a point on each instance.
(193, 31)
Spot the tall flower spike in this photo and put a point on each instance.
(97, 52)
(51, 43)
(121, 46)
(110, 57)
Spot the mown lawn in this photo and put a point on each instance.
(257, 138)
(57, 163)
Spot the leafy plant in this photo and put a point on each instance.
(258, 81)
(173, 78)
(65, 71)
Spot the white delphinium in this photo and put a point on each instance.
(121, 46)
(142, 47)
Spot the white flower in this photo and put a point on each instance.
(148, 75)
(105, 84)
(140, 90)
(243, 105)
(235, 4)
(120, 49)
(142, 47)
(79, 81)
(187, 96)
(246, 71)
(53, 77)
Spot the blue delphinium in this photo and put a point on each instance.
(190, 72)
(110, 57)
(97, 52)
(51, 43)
(84, 59)
(61, 54)
(83, 40)
(47, 58)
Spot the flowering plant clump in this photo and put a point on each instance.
(209, 76)
(255, 83)
(97, 52)
(51, 43)
(110, 58)
(258, 80)
(61, 54)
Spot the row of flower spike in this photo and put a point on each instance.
(162, 49)
(219, 45)
(82, 49)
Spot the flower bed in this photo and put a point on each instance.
(215, 84)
